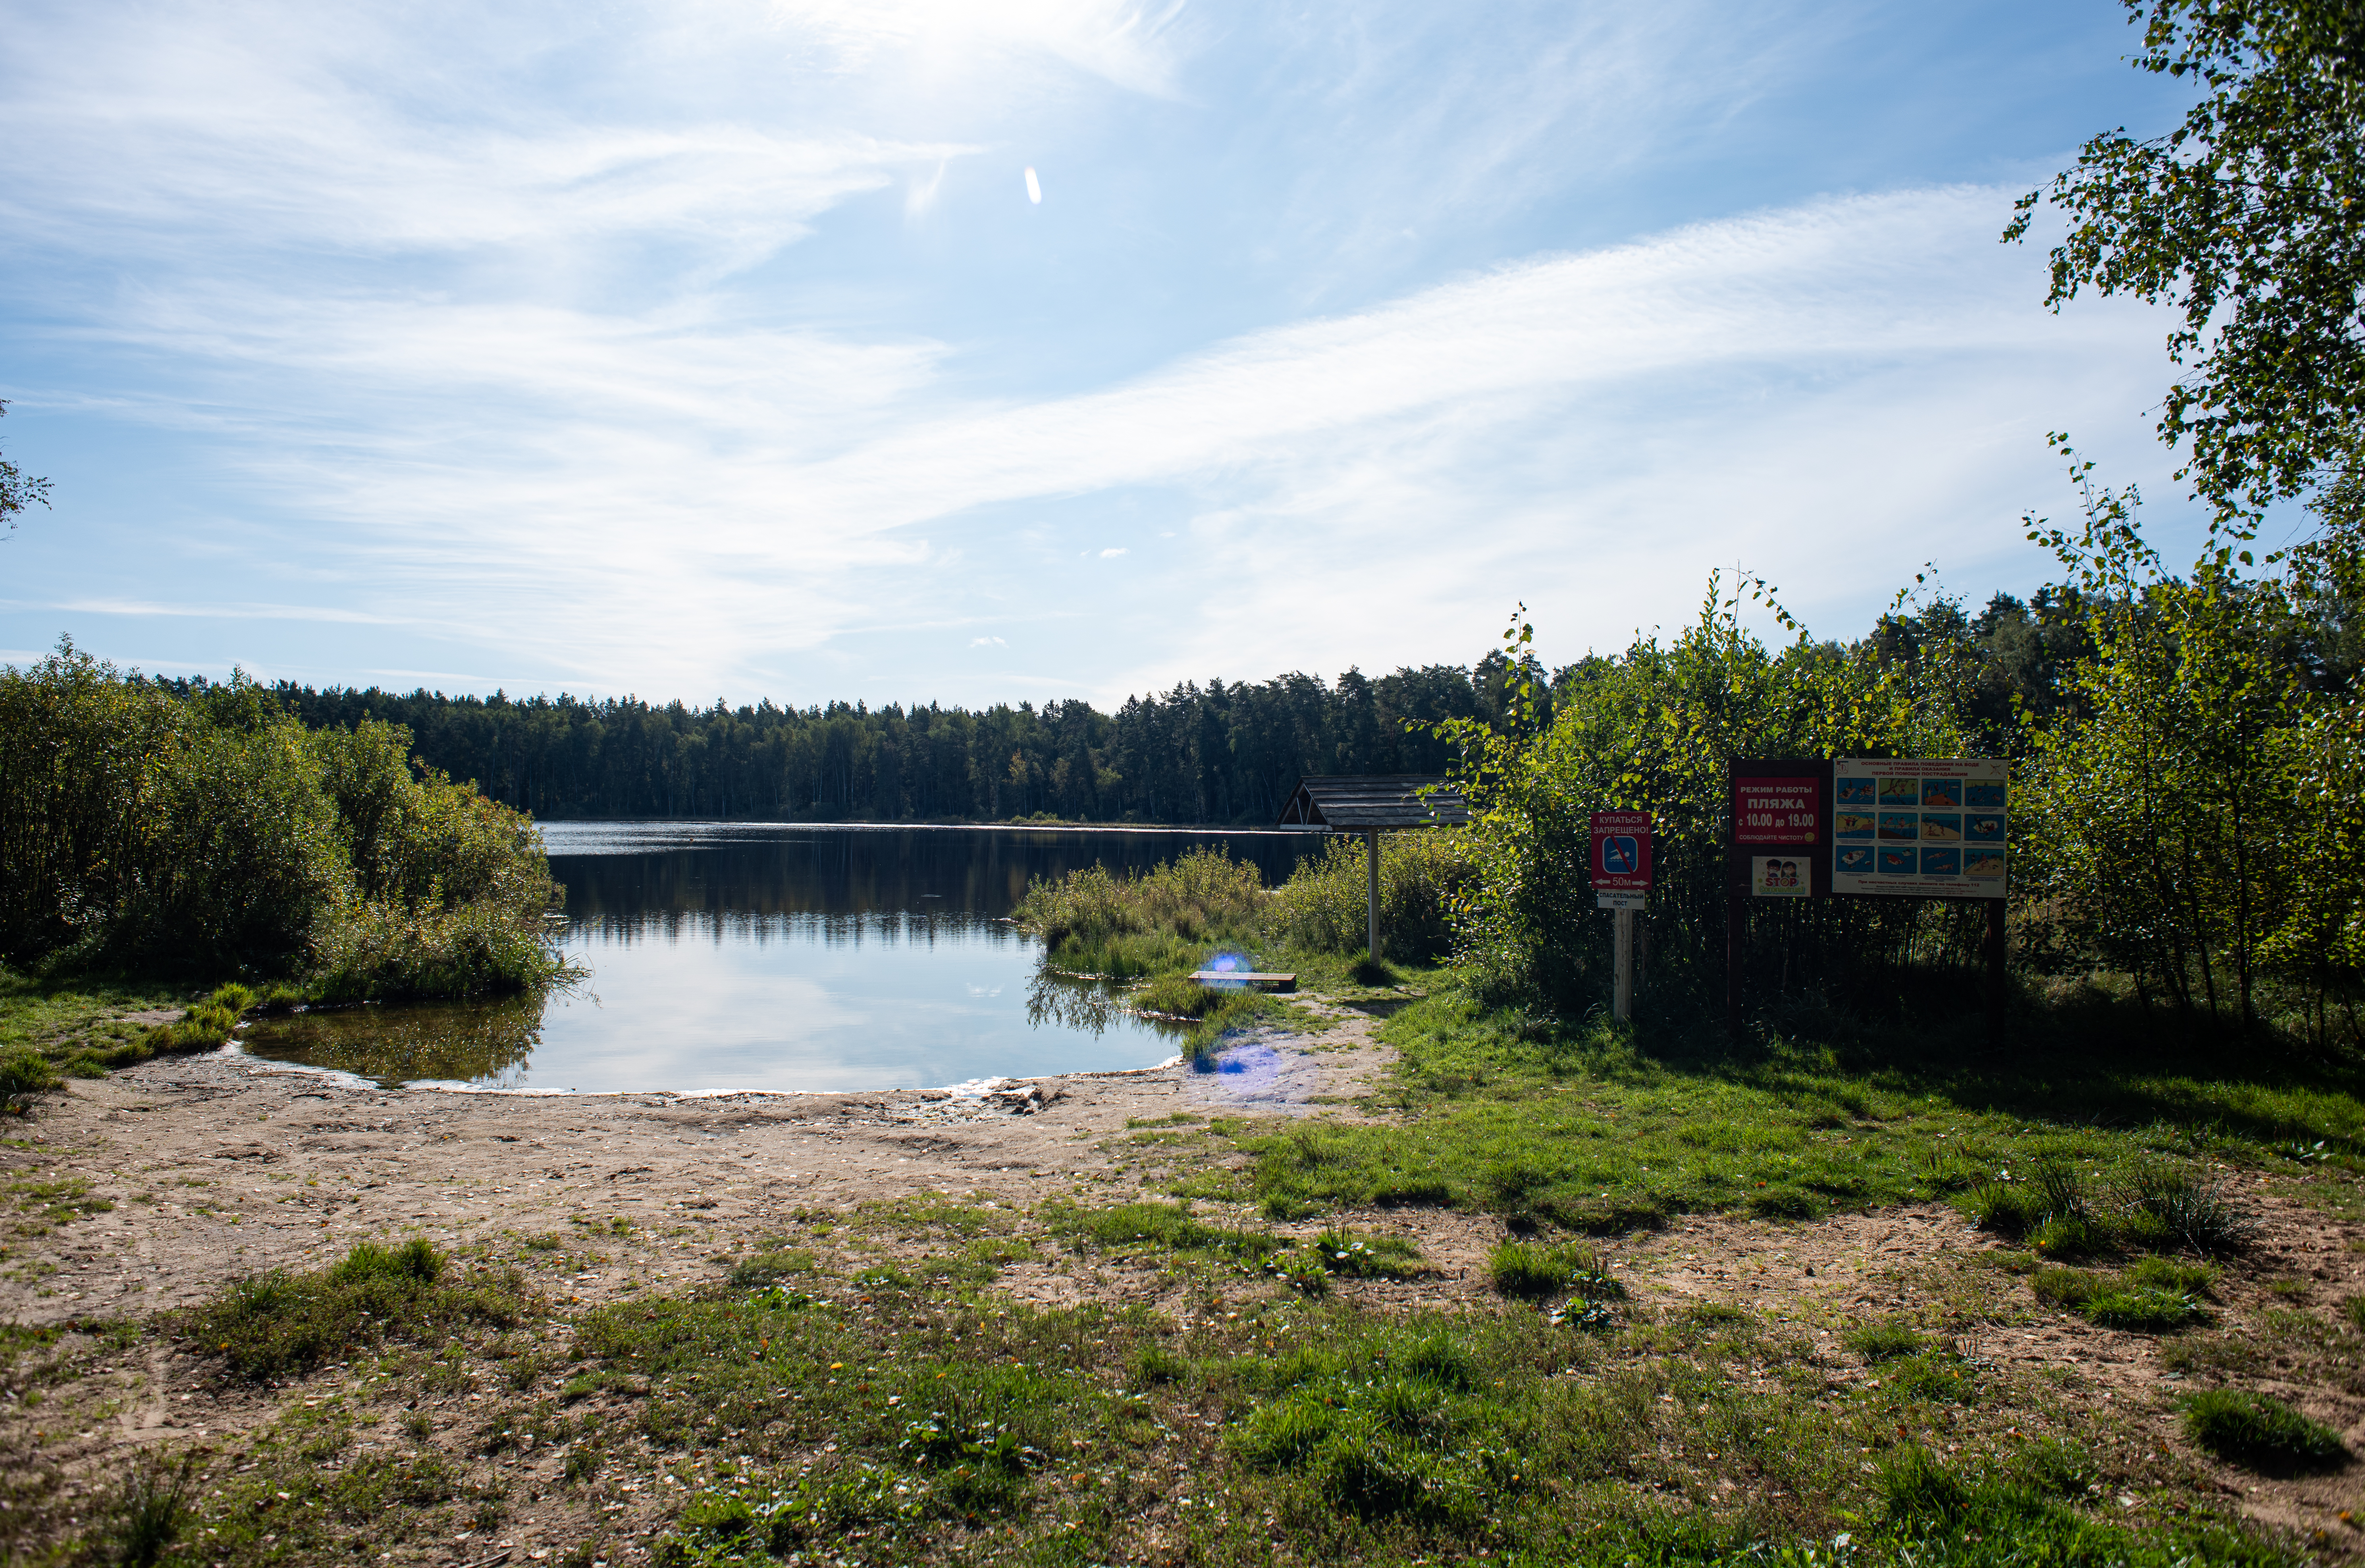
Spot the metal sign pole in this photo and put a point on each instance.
(1372, 849)
(1621, 1000)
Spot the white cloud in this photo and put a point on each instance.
(664, 501)
(538, 349)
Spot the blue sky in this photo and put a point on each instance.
(718, 349)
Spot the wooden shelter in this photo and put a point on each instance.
(1371, 805)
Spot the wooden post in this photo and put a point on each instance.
(1371, 853)
(1998, 980)
(1736, 909)
(1621, 999)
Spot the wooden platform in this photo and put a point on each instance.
(1246, 977)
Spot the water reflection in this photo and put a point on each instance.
(745, 955)
(485, 1042)
(1089, 1007)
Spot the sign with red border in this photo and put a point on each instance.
(1621, 852)
(1775, 811)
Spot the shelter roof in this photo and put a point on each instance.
(1383, 801)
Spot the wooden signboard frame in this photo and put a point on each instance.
(1765, 820)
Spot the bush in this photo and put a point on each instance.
(1326, 906)
(1200, 894)
(2261, 1431)
(209, 833)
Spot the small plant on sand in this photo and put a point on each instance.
(2261, 1431)
(1886, 1341)
(2143, 1301)
(24, 1073)
(282, 1322)
(1535, 1271)
(151, 1511)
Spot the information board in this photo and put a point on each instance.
(1919, 827)
(1775, 810)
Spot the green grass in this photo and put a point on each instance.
(1886, 1341)
(1335, 1433)
(78, 1026)
(1536, 1271)
(1600, 1131)
(877, 1415)
(2155, 1297)
(2261, 1431)
(281, 1322)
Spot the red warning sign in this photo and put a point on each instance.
(1621, 852)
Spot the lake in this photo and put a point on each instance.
(777, 956)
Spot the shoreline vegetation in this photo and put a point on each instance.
(148, 841)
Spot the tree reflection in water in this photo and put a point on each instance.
(1089, 1005)
(487, 1043)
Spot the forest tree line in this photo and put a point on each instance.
(1222, 754)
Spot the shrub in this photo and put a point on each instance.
(1201, 893)
(1326, 906)
(211, 833)
(2261, 1431)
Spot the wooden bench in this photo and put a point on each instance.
(1246, 977)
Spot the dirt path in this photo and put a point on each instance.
(222, 1165)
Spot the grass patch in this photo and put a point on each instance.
(2261, 1431)
(1886, 1341)
(2155, 1300)
(2096, 1153)
(1161, 1227)
(1535, 1271)
(770, 1266)
(79, 1027)
(922, 1420)
(281, 1322)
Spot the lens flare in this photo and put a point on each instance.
(1033, 187)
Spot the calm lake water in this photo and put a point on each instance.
(784, 957)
